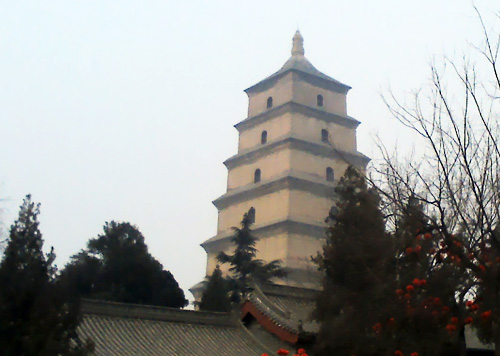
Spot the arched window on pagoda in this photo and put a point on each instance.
(329, 174)
(263, 137)
(319, 100)
(324, 136)
(270, 102)
(251, 215)
(256, 176)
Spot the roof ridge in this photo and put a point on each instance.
(268, 303)
(300, 64)
(151, 312)
(289, 291)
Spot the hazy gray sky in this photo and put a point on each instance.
(124, 110)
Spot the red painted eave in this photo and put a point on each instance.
(268, 324)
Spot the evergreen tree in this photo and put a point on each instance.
(35, 318)
(117, 266)
(358, 261)
(413, 309)
(216, 295)
(3, 237)
(245, 267)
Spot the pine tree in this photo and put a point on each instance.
(216, 295)
(358, 262)
(35, 318)
(117, 266)
(245, 267)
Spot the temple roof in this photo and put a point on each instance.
(119, 329)
(299, 63)
(288, 307)
(128, 329)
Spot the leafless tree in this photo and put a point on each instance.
(456, 122)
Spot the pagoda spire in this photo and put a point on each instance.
(298, 44)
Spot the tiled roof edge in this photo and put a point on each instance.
(325, 82)
(288, 180)
(289, 291)
(254, 339)
(268, 321)
(318, 149)
(277, 315)
(274, 313)
(136, 311)
(293, 106)
(313, 230)
(258, 293)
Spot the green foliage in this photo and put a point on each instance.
(35, 317)
(397, 292)
(216, 295)
(245, 267)
(3, 237)
(359, 265)
(3, 245)
(117, 266)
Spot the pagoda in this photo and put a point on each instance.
(293, 147)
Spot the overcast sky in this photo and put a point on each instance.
(124, 110)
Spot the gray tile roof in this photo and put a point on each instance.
(301, 65)
(472, 341)
(135, 330)
(124, 329)
(288, 307)
(298, 63)
(301, 311)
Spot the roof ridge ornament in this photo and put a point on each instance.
(298, 44)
